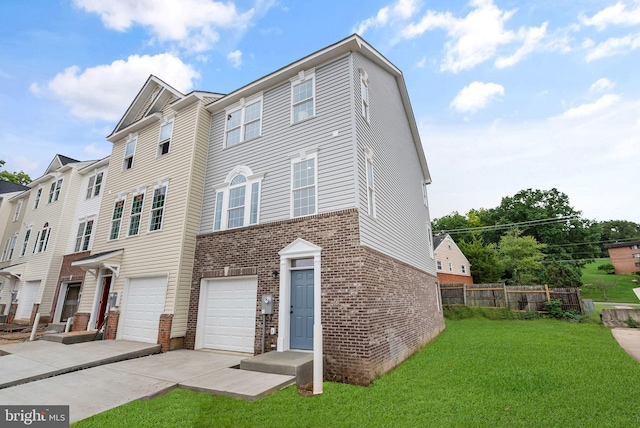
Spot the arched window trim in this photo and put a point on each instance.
(251, 203)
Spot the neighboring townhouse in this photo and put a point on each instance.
(42, 240)
(315, 201)
(451, 264)
(625, 256)
(12, 200)
(80, 240)
(144, 244)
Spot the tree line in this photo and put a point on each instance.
(534, 236)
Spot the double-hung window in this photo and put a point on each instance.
(430, 243)
(12, 246)
(303, 185)
(25, 243)
(116, 218)
(439, 265)
(42, 239)
(38, 196)
(95, 184)
(238, 199)
(464, 268)
(54, 191)
(364, 94)
(136, 214)
(18, 209)
(165, 136)
(450, 267)
(157, 208)
(371, 195)
(244, 122)
(303, 96)
(129, 152)
(425, 199)
(5, 251)
(84, 236)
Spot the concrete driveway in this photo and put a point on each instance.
(94, 390)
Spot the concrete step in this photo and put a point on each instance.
(71, 337)
(290, 363)
(57, 327)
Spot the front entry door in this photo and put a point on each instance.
(104, 297)
(302, 309)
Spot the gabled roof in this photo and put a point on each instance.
(151, 98)
(9, 187)
(59, 161)
(437, 240)
(353, 43)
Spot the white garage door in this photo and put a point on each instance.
(143, 304)
(229, 314)
(28, 296)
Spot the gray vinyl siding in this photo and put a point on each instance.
(270, 153)
(399, 228)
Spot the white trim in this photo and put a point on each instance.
(96, 298)
(136, 193)
(301, 249)
(165, 121)
(302, 77)
(224, 189)
(159, 184)
(303, 156)
(241, 106)
(125, 295)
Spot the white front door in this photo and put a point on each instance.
(143, 303)
(227, 314)
(27, 298)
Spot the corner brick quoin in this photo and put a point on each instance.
(376, 310)
(164, 332)
(112, 325)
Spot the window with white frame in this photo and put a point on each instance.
(450, 267)
(25, 242)
(12, 246)
(464, 268)
(303, 96)
(371, 195)
(425, 199)
(95, 184)
(116, 218)
(303, 185)
(5, 250)
(238, 199)
(166, 129)
(42, 239)
(364, 94)
(634, 247)
(244, 122)
(38, 196)
(439, 265)
(430, 241)
(83, 236)
(54, 191)
(18, 209)
(136, 214)
(129, 152)
(636, 256)
(157, 207)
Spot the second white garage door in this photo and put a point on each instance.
(143, 304)
(229, 314)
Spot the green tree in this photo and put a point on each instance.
(521, 255)
(570, 237)
(602, 286)
(450, 222)
(485, 265)
(14, 177)
(561, 275)
(618, 230)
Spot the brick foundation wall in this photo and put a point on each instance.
(80, 321)
(623, 260)
(68, 273)
(112, 325)
(449, 278)
(164, 332)
(363, 292)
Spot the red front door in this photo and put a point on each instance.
(106, 287)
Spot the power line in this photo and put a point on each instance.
(510, 225)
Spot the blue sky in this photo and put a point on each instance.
(508, 94)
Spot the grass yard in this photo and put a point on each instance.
(477, 373)
(622, 292)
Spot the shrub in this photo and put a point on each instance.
(607, 267)
(631, 323)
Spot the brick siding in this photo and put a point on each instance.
(164, 332)
(68, 273)
(376, 311)
(112, 324)
(450, 278)
(623, 260)
(80, 321)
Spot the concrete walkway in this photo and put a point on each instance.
(94, 390)
(629, 340)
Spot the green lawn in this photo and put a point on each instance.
(478, 372)
(622, 292)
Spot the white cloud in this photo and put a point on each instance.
(591, 109)
(194, 24)
(476, 96)
(601, 84)
(614, 15)
(476, 38)
(96, 151)
(105, 91)
(614, 46)
(401, 9)
(235, 58)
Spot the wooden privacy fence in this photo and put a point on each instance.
(517, 298)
